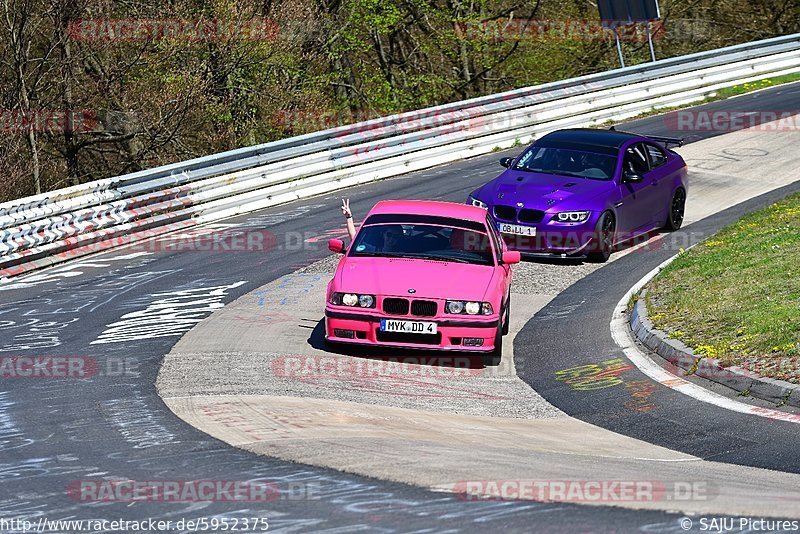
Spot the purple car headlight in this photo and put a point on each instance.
(475, 202)
(572, 216)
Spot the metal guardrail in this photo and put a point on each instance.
(45, 229)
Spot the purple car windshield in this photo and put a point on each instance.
(567, 162)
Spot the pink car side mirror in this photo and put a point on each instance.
(336, 245)
(511, 257)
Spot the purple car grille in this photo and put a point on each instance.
(507, 213)
(531, 216)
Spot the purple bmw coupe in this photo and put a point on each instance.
(580, 192)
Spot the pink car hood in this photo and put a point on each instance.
(430, 279)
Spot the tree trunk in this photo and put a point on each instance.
(71, 147)
(20, 46)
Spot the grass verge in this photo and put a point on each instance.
(736, 296)
(737, 90)
(721, 94)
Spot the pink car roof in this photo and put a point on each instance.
(430, 207)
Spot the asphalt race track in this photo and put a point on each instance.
(555, 340)
(113, 425)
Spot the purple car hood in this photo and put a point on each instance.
(543, 191)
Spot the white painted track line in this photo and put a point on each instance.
(623, 337)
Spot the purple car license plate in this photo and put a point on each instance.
(408, 327)
(516, 229)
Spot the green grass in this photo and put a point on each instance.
(755, 86)
(736, 296)
(721, 94)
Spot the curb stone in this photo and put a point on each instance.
(681, 356)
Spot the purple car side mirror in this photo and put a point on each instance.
(336, 245)
(631, 177)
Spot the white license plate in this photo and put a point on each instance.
(516, 229)
(408, 327)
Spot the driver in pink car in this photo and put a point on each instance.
(392, 235)
(348, 216)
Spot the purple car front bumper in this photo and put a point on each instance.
(561, 239)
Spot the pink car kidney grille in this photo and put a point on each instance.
(420, 308)
(395, 306)
(423, 308)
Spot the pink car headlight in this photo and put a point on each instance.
(468, 307)
(353, 300)
(472, 308)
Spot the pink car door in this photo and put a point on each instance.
(499, 246)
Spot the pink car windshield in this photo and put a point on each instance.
(423, 241)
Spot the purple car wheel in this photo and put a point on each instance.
(603, 240)
(676, 209)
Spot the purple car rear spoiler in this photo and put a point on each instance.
(666, 141)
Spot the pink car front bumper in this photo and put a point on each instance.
(349, 326)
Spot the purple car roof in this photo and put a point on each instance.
(588, 139)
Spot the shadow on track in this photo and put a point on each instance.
(461, 360)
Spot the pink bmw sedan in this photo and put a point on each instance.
(422, 275)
